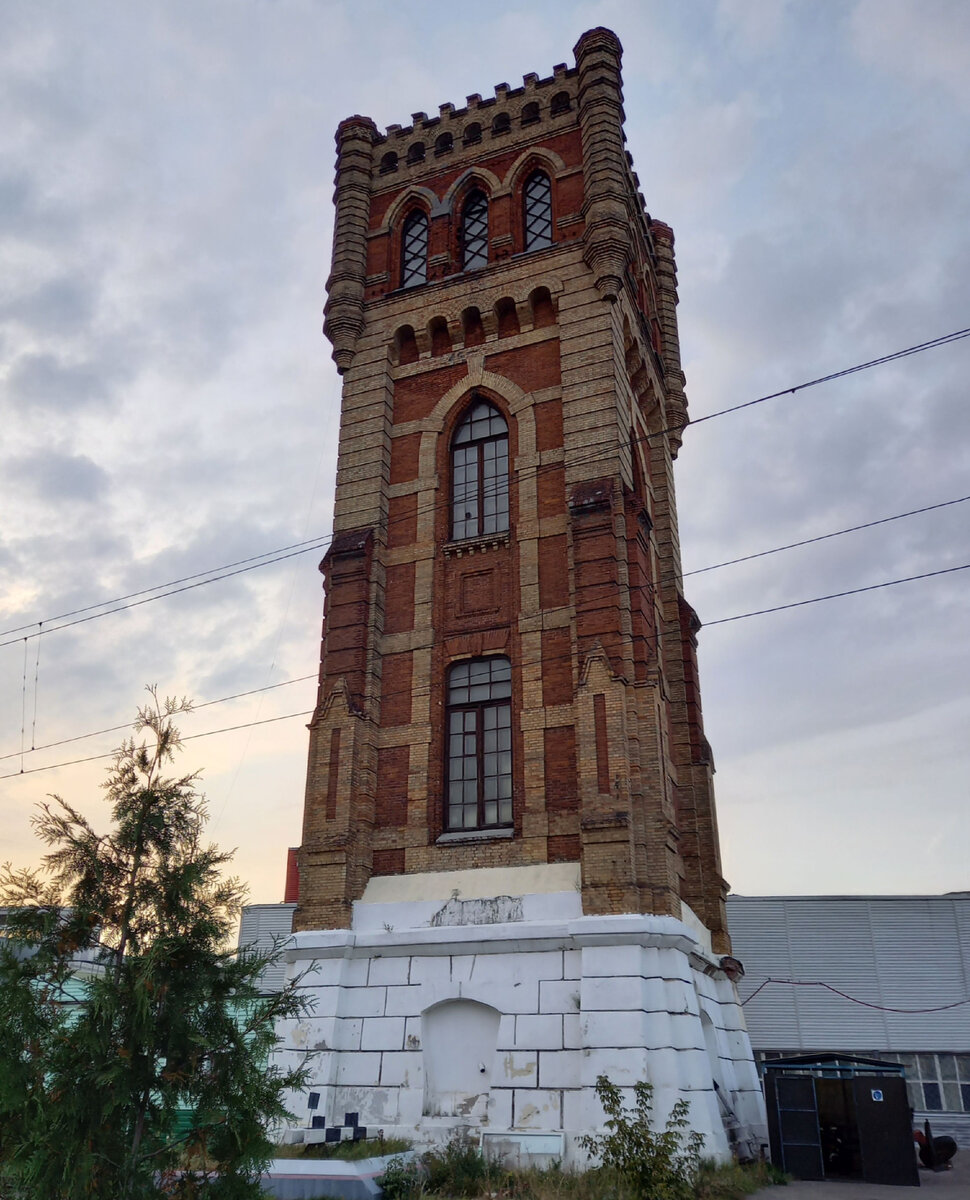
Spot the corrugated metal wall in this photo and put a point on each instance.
(262, 925)
(890, 952)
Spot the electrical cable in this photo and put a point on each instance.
(190, 737)
(845, 996)
(823, 536)
(933, 343)
(80, 737)
(834, 595)
(425, 691)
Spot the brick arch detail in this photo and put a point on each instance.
(519, 406)
(412, 196)
(486, 179)
(533, 158)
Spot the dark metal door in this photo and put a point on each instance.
(795, 1133)
(885, 1130)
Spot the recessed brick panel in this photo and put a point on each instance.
(562, 788)
(391, 807)
(396, 687)
(553, 571)
(399, 598)
(557, 667)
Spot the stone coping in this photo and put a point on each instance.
(618, 930)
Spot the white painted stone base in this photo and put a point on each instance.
(429, 1018)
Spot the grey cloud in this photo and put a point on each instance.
(44, 380)
(54, 476)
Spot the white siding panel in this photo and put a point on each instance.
(908, 952)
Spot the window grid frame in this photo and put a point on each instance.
(498, 703)
(415, 241)
(487, 456)
(537, 225)
(474, 231)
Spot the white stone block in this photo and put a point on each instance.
(538, 1032)
(351, 972)
(686, 1032)
(325, 1001)
(404, 1069)
(656, 1030)
(500, 1108)
(403, 1001)
(388, 971)
(558, 996)
(382, 1033)
(428, 968)
(624, 1067)
(601, 994)
(613, 1029)
(363, 1002)
(412, 1033)
(506, 1032)
(654, 994)
(572, 1031)
(346, 1034)
(520, 997)
(572, 964)
(560, 1068)
(536, 1108)
(516, 1069)
(358, 1068)
(462, 966)
(612, 960)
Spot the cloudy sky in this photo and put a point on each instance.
(169, 405)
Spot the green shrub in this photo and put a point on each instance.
(403, 1179)
(459, 1169)
(655, 1165)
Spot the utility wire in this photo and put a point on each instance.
(823, 536)
(80, 737)
(424, 691)
(845, 996)
(148, 599)
(834, 595)
(186, 738)
(278, 556)
(309, 544)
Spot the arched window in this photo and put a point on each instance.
(560, 104)
(480, 473)
(501, 124)
(537, 211)
(472, 134)
(414, 249)
(445, 144)
(474, 232)
(530, 113)
(416, 152)
(479, 790)
(388, 163)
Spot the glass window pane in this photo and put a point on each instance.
(537, 211)
(474, 232)
(414, 250)
(491, 813)
(965, 1093)
(932, 1099)
(927, 1065)
(505, 812)
(951, 1097)
(948, 1066)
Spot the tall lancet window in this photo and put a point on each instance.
(414, 250)
(474, 232)
(479, 744)
(480, 473)
(537, 211)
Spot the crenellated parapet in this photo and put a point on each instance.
(607, 240)
(344, 310)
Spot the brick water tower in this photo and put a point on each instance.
(509, 880)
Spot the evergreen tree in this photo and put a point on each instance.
(135, 1044)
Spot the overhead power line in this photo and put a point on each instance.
(823, 536)
(185, 738)
(818, 983)
(216, 574)
(422, 691)
(80, 737)
(873, 587)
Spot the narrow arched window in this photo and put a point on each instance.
(414, 249)
(480, 473)
(474, 232)
(479, 793)
(537, 211)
